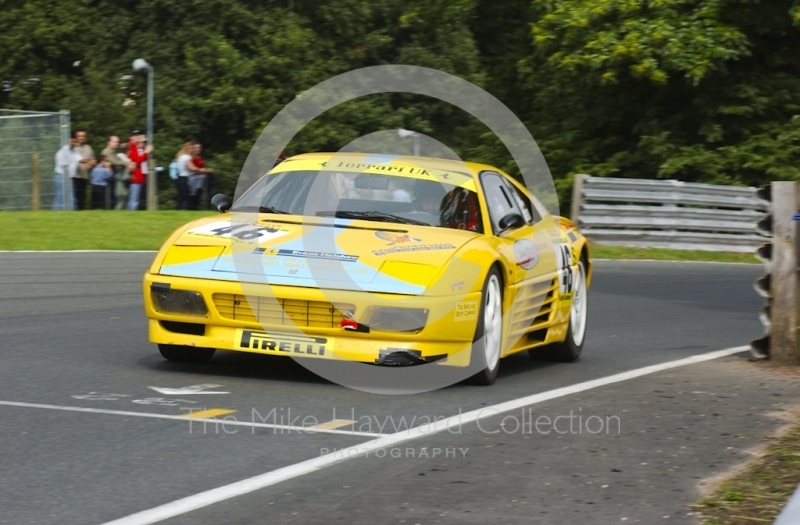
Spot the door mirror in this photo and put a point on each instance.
(221, 202)
(511, 221)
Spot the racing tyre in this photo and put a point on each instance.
(186, 354)
(489, 333)
(569, 350)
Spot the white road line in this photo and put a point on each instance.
(194, 420)
(209, 497)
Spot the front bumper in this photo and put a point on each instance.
(446, 338)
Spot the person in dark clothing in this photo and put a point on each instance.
(101, 176)
(85, 165)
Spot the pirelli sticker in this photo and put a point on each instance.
(467, 311)
(284, 344)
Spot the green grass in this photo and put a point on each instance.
(90, 230)
(123, 230)
(623, 252)
(758, 494)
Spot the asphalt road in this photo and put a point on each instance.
(74, 335)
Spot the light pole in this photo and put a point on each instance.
(403, 133)
(141, 64)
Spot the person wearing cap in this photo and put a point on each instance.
(138, 154)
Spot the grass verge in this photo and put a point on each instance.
(90, 230)
(757, 494)
(124, 230)
(662, 254)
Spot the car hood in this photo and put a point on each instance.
(314, 252)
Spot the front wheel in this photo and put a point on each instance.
(570, 349)
(186, 354)
(489, 333)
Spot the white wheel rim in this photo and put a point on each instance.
(492, 323)
(577, 315)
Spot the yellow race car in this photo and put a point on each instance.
(377, 259)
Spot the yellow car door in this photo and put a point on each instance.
(523, 240)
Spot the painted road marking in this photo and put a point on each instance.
(161, 401)
(334, 423)
(187, 390)
(207, 413)
(245, 486)
(97, 396)
(287, 428)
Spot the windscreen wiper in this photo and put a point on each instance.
(262, 209)
(370, 216)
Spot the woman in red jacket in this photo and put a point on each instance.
(138, 155)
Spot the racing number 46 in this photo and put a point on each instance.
(230, 231)
(565, 275)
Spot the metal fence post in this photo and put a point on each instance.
(66, 182)
(203, 205)
(577, 195)
(36, 191)
(152, 184)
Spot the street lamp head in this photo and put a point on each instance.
(140, 64)
(403, 133)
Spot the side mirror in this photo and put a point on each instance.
(221, 202)
(512, 221)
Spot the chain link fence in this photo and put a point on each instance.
(29, 141)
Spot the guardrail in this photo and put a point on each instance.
(667, 214)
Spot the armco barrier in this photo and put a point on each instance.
(667, 214)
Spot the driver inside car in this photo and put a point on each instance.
(427, 197)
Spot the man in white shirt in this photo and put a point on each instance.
(66, 161)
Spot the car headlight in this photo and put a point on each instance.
(393, 319)
(171, 301)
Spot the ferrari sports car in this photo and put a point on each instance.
(386, 260)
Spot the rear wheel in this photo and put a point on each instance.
(489, 333)
(570, 349)
(186, 354)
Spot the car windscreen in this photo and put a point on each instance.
(369, 196)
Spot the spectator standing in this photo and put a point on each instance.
(118, 166)
(87, 162)
(201, 181)
(123, 182)
(138, 154)
(66, 163)
(101, 177)
(183, 159)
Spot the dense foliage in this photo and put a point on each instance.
(700, 90)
